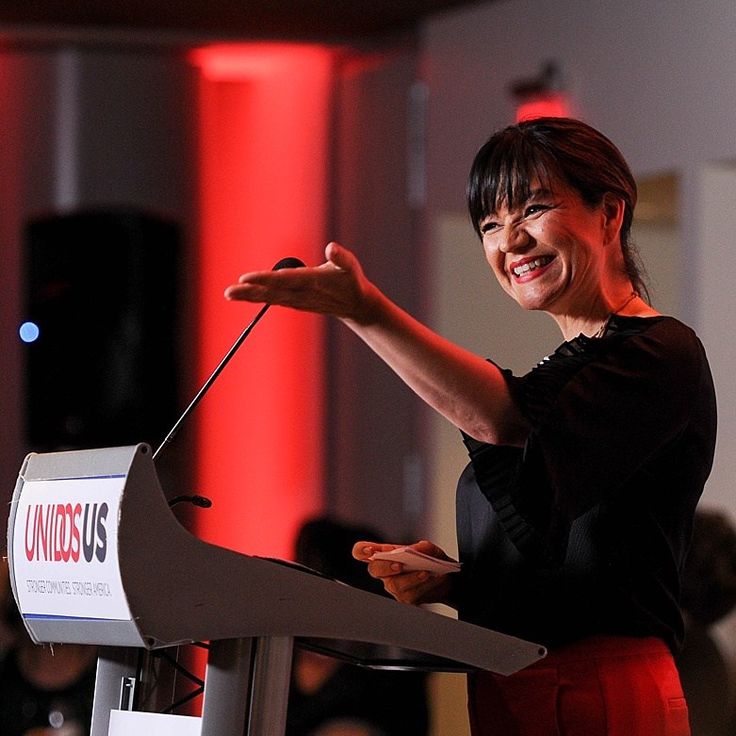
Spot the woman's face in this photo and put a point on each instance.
(551, 252)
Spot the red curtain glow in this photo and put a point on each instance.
(263, 131)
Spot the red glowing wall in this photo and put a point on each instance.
(553, 105)
(263, 131)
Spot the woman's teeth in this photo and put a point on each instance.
(530, 266)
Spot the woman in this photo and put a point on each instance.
(575, 511)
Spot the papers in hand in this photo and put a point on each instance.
(412, 559)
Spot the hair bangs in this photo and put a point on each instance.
(505, 173)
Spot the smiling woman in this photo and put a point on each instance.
(575, 511)
(568, 190)
(555, 253)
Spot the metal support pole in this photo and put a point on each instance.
(270, 692)
(227, 684)
(114, 667)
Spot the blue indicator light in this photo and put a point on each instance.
(29, 332)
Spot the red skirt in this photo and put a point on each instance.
(603, 686)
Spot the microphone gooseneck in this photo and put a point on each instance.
(288, 262)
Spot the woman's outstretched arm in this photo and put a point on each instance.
(466, 389)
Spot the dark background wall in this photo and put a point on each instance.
(104, 139)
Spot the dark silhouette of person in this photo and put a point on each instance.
(708, 595)
(329, 697)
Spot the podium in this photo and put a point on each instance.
(97, 557)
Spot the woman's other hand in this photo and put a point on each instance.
(407, 586)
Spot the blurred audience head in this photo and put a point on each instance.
(325, 544)
(709, 577)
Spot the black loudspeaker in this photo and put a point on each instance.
(101, 367)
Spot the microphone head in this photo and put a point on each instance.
(288, 263)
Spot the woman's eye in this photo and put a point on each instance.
(488, 227)
(533, 209)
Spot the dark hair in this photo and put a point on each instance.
(548, 149)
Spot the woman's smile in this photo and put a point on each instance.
(528, 269)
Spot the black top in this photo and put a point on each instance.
(583, 531)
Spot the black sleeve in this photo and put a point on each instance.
(615, 412)
(599, 411)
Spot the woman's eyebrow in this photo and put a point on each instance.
(534, 194)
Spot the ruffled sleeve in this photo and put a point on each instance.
(599, 410)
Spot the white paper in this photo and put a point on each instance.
(412, 560)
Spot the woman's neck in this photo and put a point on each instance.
(593, 320)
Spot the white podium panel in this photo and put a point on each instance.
(65, 558)
(130, 722)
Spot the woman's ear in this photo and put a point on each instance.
(613, 208)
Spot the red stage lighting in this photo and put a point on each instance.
(263, 115)
(553, 105)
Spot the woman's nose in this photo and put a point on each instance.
(514, 237)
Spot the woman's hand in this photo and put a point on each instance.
(337, 287)
(413, 587)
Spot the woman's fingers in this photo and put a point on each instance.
(364, 551)
(337, 287)
(380, 569)
(418, 587)
(340, 257)
(407, 586)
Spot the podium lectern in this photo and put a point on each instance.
(97, 557)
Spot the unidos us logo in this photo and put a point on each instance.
(71, 532)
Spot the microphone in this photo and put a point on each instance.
(201, 501)
(283, 263)
(288, 262)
